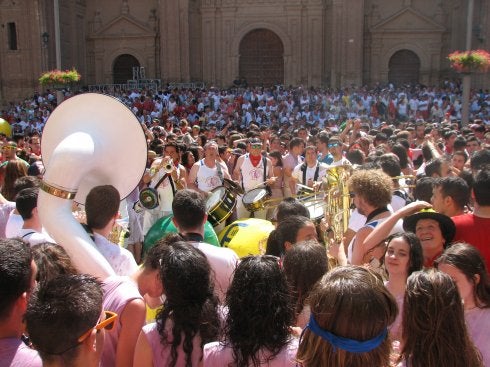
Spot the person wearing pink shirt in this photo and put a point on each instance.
(257, 325)
(465, 265)
(189, 317)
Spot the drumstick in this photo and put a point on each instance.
(257, 186)
(304, 186)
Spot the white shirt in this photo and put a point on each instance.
(223, 262)
(253, 176)
(120, 259)
(310, 172)
(208, 178)
(14, 225)
(33, 237)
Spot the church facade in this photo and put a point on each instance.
(315, 43)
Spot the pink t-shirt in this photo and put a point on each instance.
(14, 353)
(118, 292)
(161, 352)
(478, 322)
(215, 354)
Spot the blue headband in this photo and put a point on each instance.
(349, 345)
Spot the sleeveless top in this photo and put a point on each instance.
(161, 352)
(118, 291)
(253, 176)
(208, 178)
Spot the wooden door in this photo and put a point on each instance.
(261, 58)
(404, 67)
(122, 70)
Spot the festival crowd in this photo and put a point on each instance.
(391, 271)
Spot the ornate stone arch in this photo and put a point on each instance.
(283, 36)
(417, 50)
(114, 54)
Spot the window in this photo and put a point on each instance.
(12, 36)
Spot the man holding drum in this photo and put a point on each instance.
(208, 174)
(307, 179)
(308, 174)
(254, 172)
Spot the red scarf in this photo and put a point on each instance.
(255, 159)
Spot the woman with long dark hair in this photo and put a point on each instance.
(434, 330)
(304, 265)
(465, 265)
(257, 326)
(403, 256)
(188, 318)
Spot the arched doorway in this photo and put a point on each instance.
(122, 69)
(404, 67)
(261, 58)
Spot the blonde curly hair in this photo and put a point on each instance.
(373, 185)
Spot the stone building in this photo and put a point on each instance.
(297, 42)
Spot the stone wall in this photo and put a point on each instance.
(325, 42)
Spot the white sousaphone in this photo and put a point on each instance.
(89, 140)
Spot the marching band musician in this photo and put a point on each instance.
(208, 173)
(253, 170)
(310, 173)
(172, 181)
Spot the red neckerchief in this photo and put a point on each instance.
(255, 159)
(430, 262)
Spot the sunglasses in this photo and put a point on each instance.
(333, 145)
(256, 146)
(9, 147)
(107, 323)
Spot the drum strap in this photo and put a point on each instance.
(161, 180)
(172, 185)
(402, 195)
(315, 176)
(28, 234)
(220, 173)
(264, 163)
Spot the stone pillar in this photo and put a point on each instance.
(208, 42)
(315, 42)
(174, 40)
(347, 40)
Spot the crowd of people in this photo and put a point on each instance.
(391, 271)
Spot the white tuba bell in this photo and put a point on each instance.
(89, 140)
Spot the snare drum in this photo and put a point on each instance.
(220, 205)
(254, 199)
(316, 208)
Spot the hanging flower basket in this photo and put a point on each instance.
(473, 61)
(58, 78)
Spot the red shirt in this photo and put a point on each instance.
(475, 231)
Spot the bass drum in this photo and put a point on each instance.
(220, 205)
